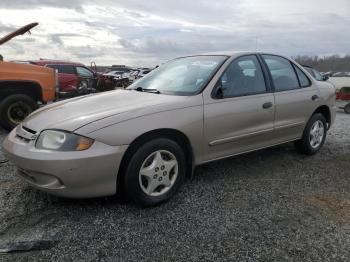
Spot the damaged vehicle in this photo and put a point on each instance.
(119, 78)
(75, 79)
(23, 86)
(192, 110)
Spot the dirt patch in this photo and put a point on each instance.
(343, 160)
(334, 208)
(234, 203)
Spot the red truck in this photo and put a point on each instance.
(76, 79)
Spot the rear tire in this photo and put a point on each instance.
(155, 172)
(14, 109)
(347, 108)
(314, 135)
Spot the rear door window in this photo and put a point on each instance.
(282, 72)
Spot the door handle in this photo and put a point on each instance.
(267, 105)
(314, 97)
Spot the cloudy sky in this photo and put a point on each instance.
(137, 32)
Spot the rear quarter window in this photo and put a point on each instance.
(303, 79)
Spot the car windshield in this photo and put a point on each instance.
(182, 76)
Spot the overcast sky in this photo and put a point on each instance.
(137, 32)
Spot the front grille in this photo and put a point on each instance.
(29, 130)
(25, 134)
(23, 138)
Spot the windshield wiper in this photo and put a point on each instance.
(149, 90)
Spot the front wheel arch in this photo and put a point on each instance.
(177, 136)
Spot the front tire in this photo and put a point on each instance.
(14, 109)
(155, 172)
(314, 135)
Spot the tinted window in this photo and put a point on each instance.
(282, 72)
(64, 69)
(304, 81)
(82, 71)
(243, 77)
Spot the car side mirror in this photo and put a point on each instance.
(218, 91)
(325, 78)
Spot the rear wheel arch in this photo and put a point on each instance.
(30, 88)
(172, 134)
(326, 112)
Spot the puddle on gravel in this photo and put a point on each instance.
(334, 208)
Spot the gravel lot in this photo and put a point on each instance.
(269, 205)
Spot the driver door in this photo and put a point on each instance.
(240, 116)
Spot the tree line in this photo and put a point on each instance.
(334, 63)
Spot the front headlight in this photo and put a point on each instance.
(62, 141)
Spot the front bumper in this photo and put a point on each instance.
(83, 174)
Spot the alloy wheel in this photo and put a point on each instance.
(316, 134)
(158, 173)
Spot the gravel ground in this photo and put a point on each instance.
(269, 205)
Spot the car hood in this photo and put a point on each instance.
(74, 113)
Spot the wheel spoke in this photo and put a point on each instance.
(320, 139)
(166, 181)
(169, 165)
(313, 141)
(158, 160)
(322, 132)
(148, 171)
(152, 185)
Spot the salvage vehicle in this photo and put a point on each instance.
(23, 86)
(119, 78)
(75, 79)
(192, 110)
(343, 99)
(142, 72)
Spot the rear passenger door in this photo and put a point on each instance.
(295, 97)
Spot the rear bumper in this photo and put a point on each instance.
(84, 174)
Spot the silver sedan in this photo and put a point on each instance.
(148, 138)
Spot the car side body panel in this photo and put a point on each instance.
(187, 118)
(293, 110)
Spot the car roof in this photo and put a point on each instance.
(56, 62)
(237, 53)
